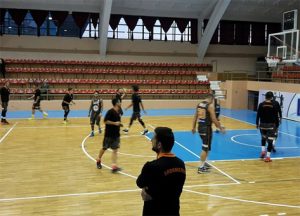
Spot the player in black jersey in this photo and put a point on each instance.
(37, 101)
(4, 94)
(205, 116)
(95, 112)
(136, 104)
(162, 179)
(67, 101)
(267, 120)
(120, 94)
(111, 139)
(279, 113)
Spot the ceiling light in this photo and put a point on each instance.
(65, 30)
(50, 18)
(9, 27)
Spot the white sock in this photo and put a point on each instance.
(268, 154)
(202, 164)
(263, 148)
(274, 143)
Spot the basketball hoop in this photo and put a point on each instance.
(273, 60)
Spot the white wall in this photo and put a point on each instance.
(226, 58)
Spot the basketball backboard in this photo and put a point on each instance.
(284, 45)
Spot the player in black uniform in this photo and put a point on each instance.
(162, 179)
(4, 94)
(266, 120)
(67, 100)
(111, 139)
(279, 114)
(120, 94)
(95, 112)
(136, 103)
(37, 102)
(205, 116)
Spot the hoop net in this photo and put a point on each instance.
(273, 61)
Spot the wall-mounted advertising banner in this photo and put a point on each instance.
(289, 103)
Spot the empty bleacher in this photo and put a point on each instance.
(156, 80)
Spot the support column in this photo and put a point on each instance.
(103, 26)
(213, 22)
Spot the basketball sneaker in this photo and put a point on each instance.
(125, 131)
(45, 115)
(98, 164)
(262, 154)
(267, 159)
(92, 134)
(202, 170)
(115, 169)
(100, 130)
(144, 132)
(207, 165)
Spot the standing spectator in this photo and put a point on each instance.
(2, 67)
(266, 120)
(4, 94)
(279, 114)
(162, 179)
(111, 139)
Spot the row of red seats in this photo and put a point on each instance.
(101, 81)
(97, 71)
(113, 91)
(286, 75)
(291, 68)
(103, 63)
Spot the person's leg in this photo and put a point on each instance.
(33, 111)
(263, 143)
(115, 144)
(143, 124)
(204, 152)
(66, 112)
(98, 120)
(4, 111)
(133, 117)
(92, 123)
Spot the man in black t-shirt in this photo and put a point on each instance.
(67, 101)
(267, 120)
(120, 94)
(162, 179)
(37, 102)
(111, 139)
(4, 94)
(136, 104)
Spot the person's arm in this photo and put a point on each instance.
(130, 105)
(31, 97)
(142, 107)
(117, 123)
(101, 105)
(144, 178)
(213, 117)
(195, 121)
(258, 116)
(90, 110)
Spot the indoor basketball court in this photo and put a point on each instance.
(177, 52)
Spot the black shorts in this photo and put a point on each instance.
(65, 106)
(95, 118)
(135, 115)
(268, 131)
(110, 142)
(205, 132)
(36, 105)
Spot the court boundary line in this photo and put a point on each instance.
(193, 153)
(245, 144)
(8, 132)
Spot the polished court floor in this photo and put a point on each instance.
(47, 168)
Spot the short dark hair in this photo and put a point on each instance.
(135, 88)
(114, 101)
(165, 136)
(69, 89)
(269, 95)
